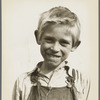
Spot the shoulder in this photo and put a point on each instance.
(23, 76)
(23, 79)
(77, 72)
(79, 81)
(22, 84)
(77, 77)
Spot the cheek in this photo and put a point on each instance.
(42, 50)
(44, 47)
(66, 51)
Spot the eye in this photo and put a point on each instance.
(64, 43)
(49, 39)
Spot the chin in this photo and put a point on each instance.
(53, 64)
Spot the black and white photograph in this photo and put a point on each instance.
(50, 50)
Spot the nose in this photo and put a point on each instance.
(55, 47)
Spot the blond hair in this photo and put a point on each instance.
(60, 15)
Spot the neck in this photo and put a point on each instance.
(45, 68)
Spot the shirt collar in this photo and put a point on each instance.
(62, 65)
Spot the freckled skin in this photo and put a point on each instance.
(56, 44)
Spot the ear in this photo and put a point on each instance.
(75, 46)
(36, 33)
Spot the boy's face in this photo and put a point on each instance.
(56, 44)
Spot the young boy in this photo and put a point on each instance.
(58, 34)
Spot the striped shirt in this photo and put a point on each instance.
(64, 75)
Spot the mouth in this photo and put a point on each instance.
(53, 56)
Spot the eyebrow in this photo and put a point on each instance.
(49, 37)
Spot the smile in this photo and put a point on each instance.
(53, 56)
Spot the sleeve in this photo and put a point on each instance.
(81, 85)
(17, 93)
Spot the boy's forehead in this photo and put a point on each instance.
(58, 28)
(57, 31)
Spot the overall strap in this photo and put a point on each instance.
(71, 80)
(35, 89)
